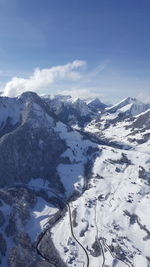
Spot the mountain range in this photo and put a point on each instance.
(74, 182)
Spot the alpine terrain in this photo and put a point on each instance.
(74, 182)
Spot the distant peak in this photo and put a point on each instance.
(95, 101)
(29, 95)
(96, 104)
(130, 100)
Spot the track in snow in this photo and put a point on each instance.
(70, 221)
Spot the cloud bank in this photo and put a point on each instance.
(42, 78)
(104, 81)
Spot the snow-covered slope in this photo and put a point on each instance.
(40, 146)
(110, 218)
(74, 197)
(133, 131)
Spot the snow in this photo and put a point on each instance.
(140, 261)
(115, 192)
(67, 246)
(123, 103)
(72, 174)
(143, 113)
(125, 108)
(120, 191)
(39, 218)
(114, 210)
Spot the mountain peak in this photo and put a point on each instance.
(123, 103)
(95, 101)
(28, 95)
(96, 105)
(130, 100)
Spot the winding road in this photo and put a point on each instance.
(102, 241)
(70, 221)
(114, 256)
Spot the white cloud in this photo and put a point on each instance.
(41, 79)
(109, 84)
(83, 93)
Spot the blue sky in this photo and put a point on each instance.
(110, 39)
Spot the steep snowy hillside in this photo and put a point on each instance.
(74, 197)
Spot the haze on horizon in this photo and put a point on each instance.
(83, 48)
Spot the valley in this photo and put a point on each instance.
(75, 180)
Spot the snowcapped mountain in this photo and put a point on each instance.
(126, 109)
(130, 106)
(96, 105)
(35, 142)
(74, 112)
(74, 182)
